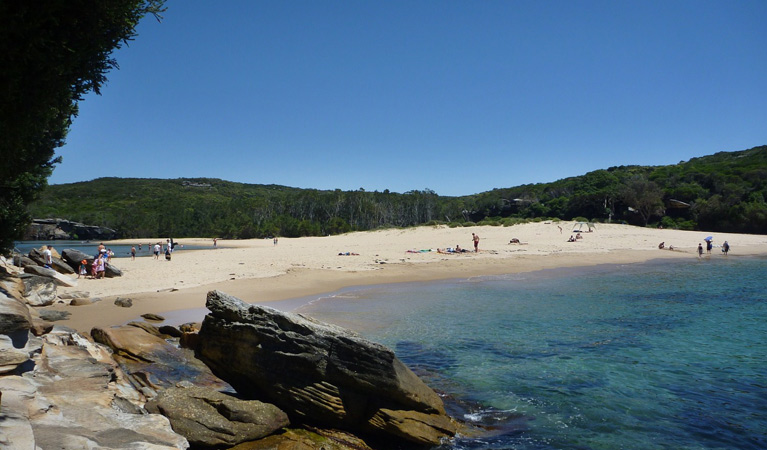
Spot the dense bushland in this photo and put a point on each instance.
(721, 192)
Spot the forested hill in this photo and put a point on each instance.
(722, 192)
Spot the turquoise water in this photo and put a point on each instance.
(650, 356)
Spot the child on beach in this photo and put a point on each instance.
(83, 270)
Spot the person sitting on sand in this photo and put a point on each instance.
(578, 236)
(572, 238)
(662, 245)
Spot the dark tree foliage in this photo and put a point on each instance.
(52, 52)
(722, 192)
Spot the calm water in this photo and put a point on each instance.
(92, 247)
(651, 356)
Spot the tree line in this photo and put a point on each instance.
(721, 192)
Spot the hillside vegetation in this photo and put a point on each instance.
(722, 192)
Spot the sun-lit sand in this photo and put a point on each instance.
(259, 271)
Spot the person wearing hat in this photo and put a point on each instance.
(83, 270)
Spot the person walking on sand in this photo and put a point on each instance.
(133, 253)
(700, 250)
(475, 238)
(157, 251)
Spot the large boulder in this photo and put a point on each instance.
(58, 278)
(318, 373)
(152, 363)
(39, 291)
(57, 263)
(14, 315)
(210, 419)
(73, 258)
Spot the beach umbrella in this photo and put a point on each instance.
(708, 238)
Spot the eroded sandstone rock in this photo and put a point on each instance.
(316, 372)
(210, 419)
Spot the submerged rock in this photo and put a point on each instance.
(318, 373)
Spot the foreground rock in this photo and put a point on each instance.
(210, 419)
(319, 373)
(152, 363)
(77, 397)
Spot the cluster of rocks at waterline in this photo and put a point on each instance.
(133, 387)
(65, 263)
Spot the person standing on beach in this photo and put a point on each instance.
(157, 251)
(709, 246)
(215, 242)
(133, 253)
(700, 250)
(475, 238)
(48, 257)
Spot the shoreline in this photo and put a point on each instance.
(257, 271)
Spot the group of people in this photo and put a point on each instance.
(710, 246)
(575, 238)
(97, 269)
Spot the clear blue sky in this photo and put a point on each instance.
(456, 96)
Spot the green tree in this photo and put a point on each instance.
(52, 53)
(643, 196)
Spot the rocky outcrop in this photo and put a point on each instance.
(318, 373)
(52, 229)
(77, 397)
(211, 419)
(151, 363)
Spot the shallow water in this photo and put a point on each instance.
(91, 247)
(648, 356)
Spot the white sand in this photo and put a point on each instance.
(258, 271)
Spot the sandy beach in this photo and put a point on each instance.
(258, 271)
